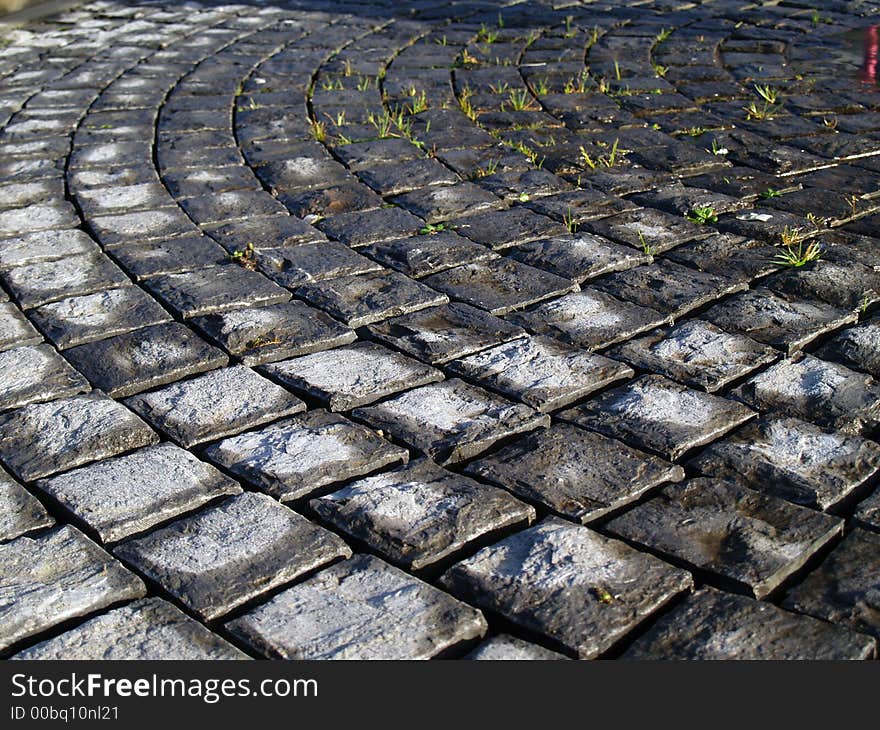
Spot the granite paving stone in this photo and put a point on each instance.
(119, 497)
(295, 457)
(843, 589)
(147, 629)
(351, 376)
(34, 248)
(825, 393)
(232, 552)
(440, 334)
(217, 404)
(361, 608)
(368, 298)
(359, 228)
(422, 255)
(50, 281)
(856, 347)
(867, 513)
(660, 415)
(590, 319)
(576, 473)
(420, 514)
(785, 322)
(576, 588)
(145, 358)
(306, 263)
(578, 256)
(265, 334)
(499, 285)
(58, 576)
(794, 460)
(750, 540)
(710, 625)
(44, 438)
(15, 329)
(173, 256)
(214, 289)
(439, 203)
(20, 511)
(79, 320)
(540, 371)
(637, 228)
(452, 420)
(505, 647)
(695, 353)
(127, 228)
(36, 373)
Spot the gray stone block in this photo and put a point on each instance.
(428, 254)
(745, 537)
(231, 553)
(266, 334)
(214, 289)
(824, 393)
(505, 647)
(20, 511)
(45, 438)
(794, 460)
(36, 373)
(440, 334)
(119, 497)
(657, 414)
(361, 608)
(421, 514)
(451, 421)
(217, 404)
(57, 577)
(42, 246)
(578, 474)
(368, 298)
(540, 371)
(856, 347)
(696, 353)
(868, 512)
(710, 625)
(149, 629)
(580, 590)
(590, 319)
(15, 330)
(79, 320)
(351, 376)
(306, 263)
(578, 256)
(293, 458)
(843, 589)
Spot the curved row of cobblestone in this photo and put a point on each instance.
(438, 330)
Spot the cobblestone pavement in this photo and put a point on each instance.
(440, 329)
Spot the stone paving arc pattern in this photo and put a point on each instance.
(440, 330)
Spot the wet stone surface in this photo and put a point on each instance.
(420, 514)
(794, 460)
(237, 222)
(576, 588)
(232, 552)
(361, 608)
(659, 415)
(214, 405)
(825, 393)
(843, 589)
(44, 438)
(20, 511)
(145, 358)
(713, 625)
(148, 629)
(575, 473)
(451, 421)
(295, 457)
(740, 535)
(696, 353)
(351, 376)
(58, 576)
(116, 498)
(539, 371)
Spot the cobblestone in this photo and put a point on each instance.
(556, 247)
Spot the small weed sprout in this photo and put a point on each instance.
(568, 220)
(487, 35)
(541, 87)
(767, 93)
(519, 100)
(702, 214)
(609, 160)
(797, 255)
(647, 248)
(662, 36)
(432, 228)
(717, 149)
(464, 102)
(319, 130)
(659, 70)
(247, 258)
(769, 193)
(577, 84)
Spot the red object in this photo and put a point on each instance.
(869, 65)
